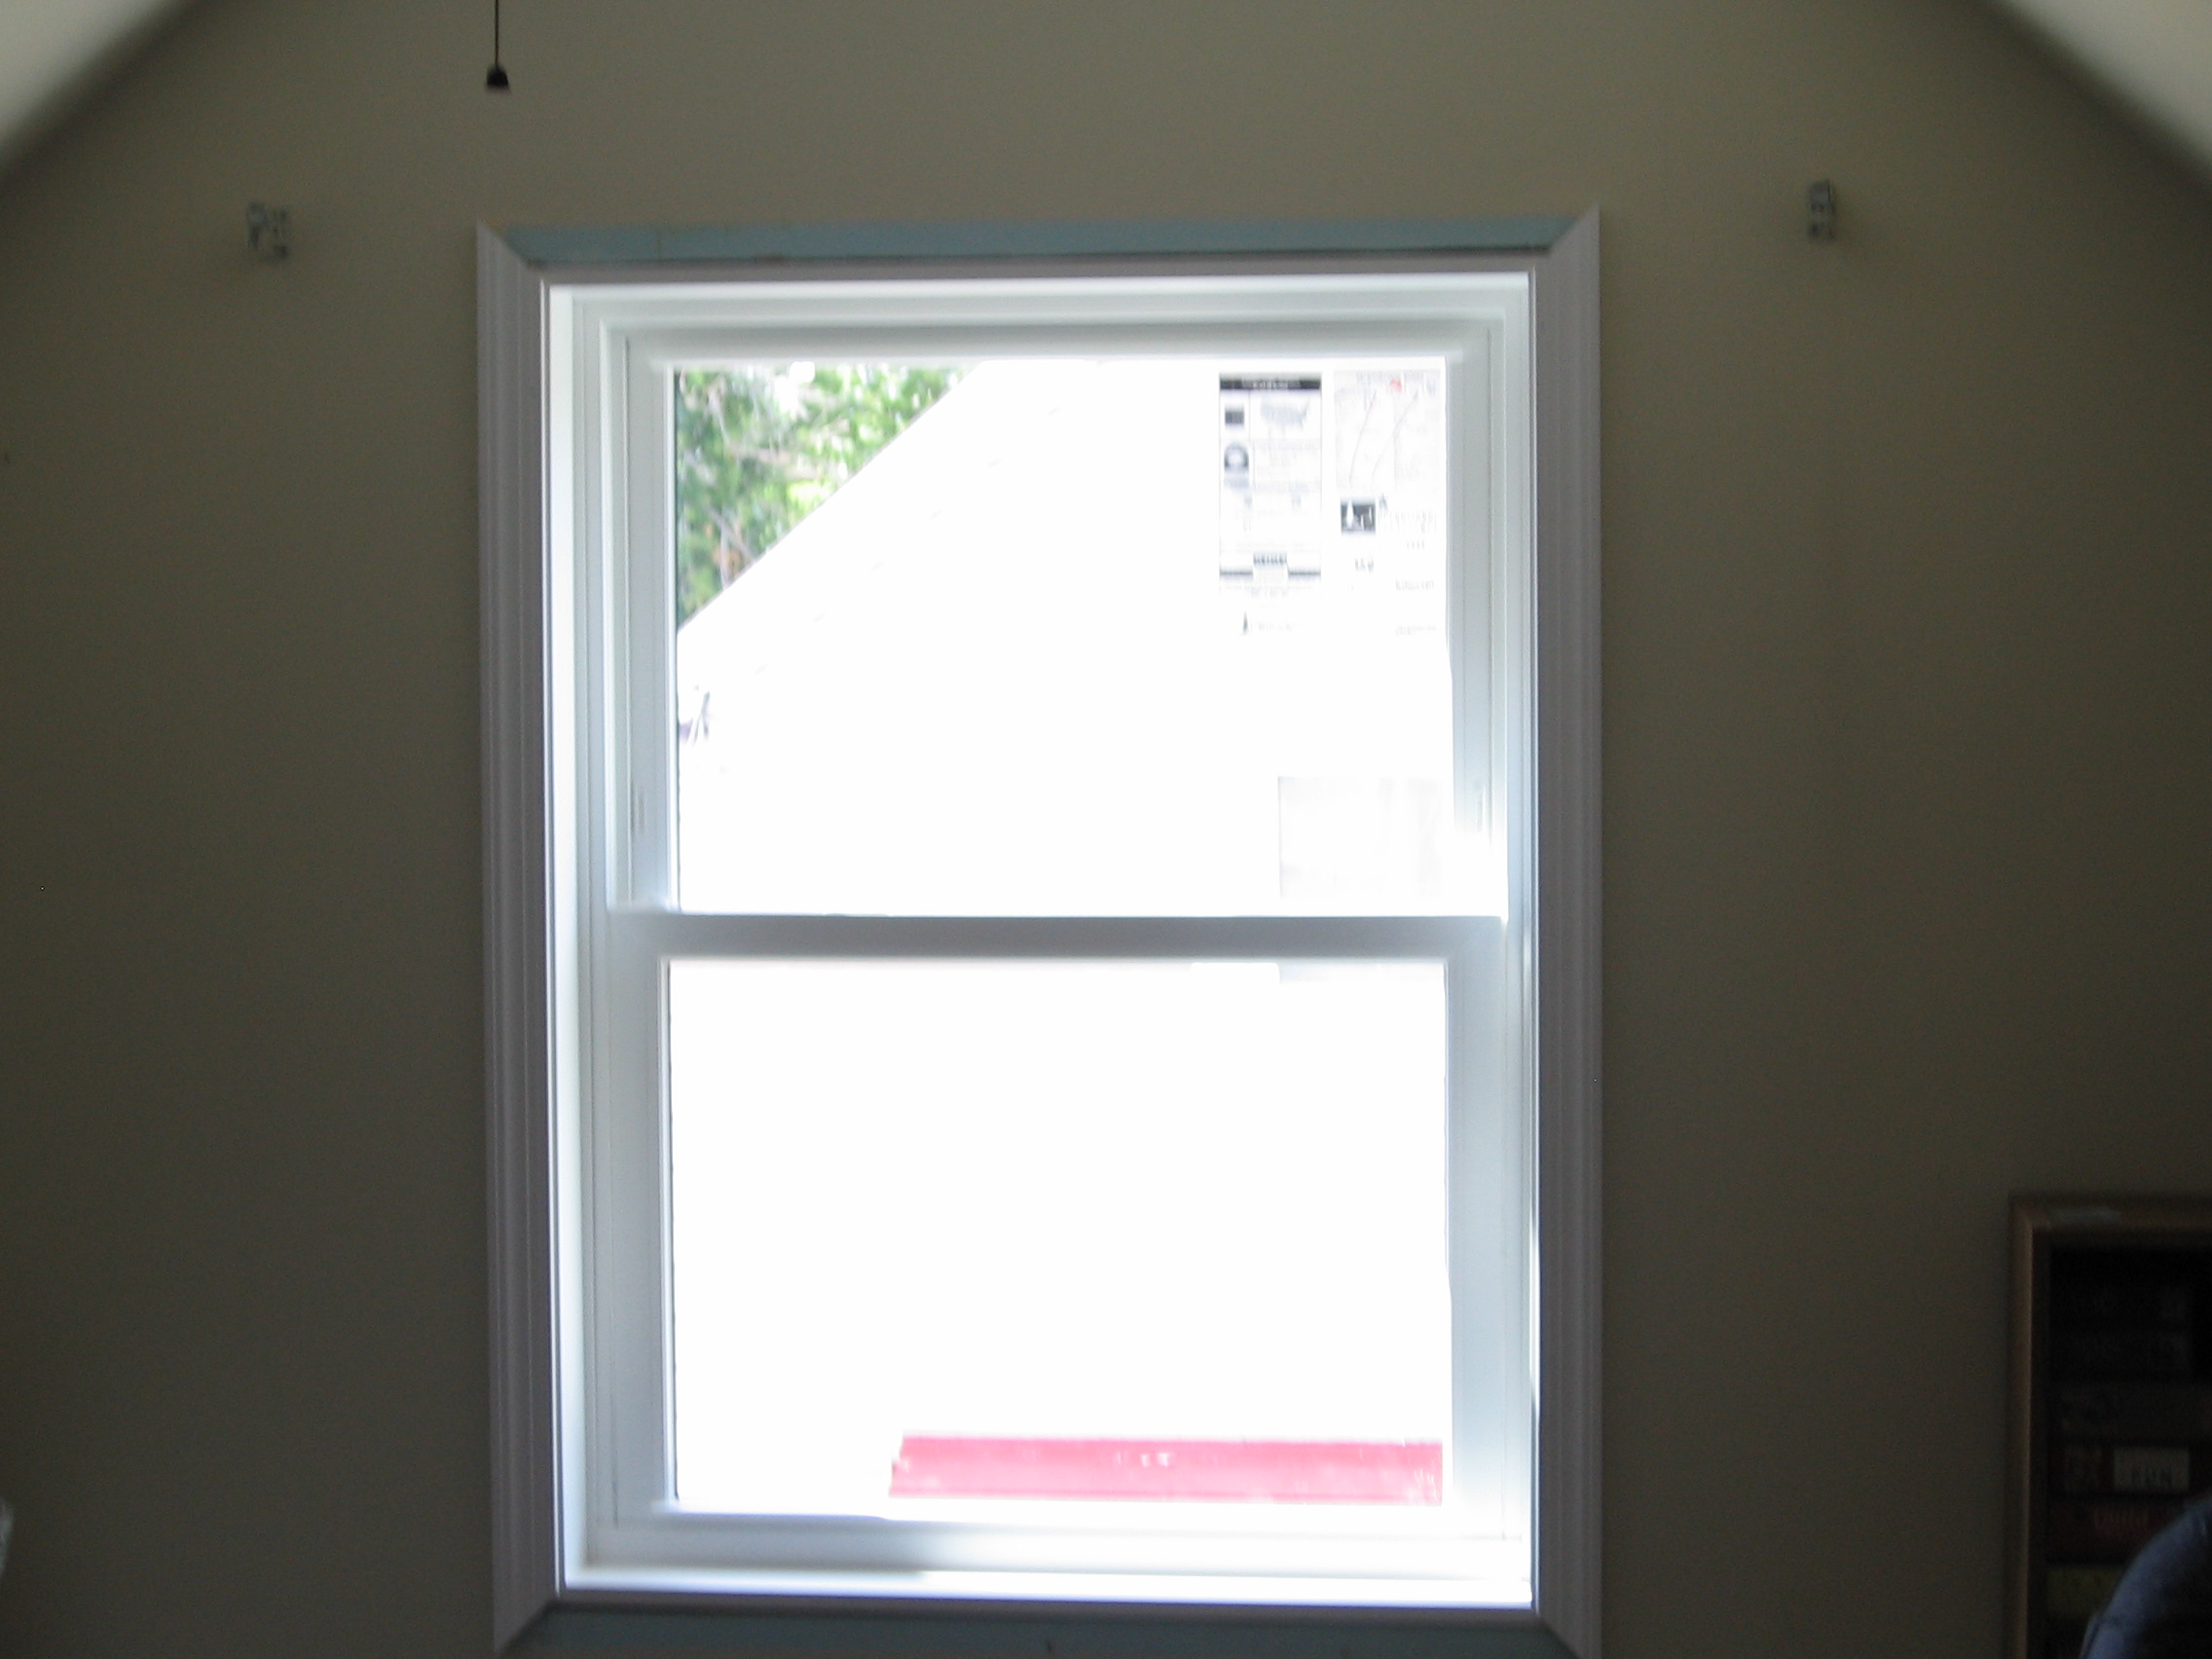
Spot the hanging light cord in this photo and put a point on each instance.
(496, 77)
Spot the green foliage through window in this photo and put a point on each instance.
(758, 448)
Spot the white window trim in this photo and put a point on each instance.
(524, 416)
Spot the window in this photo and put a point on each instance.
(1041, 929)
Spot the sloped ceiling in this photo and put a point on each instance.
(53, 51)
(2155, 55)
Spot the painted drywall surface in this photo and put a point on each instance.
(51, 51)
(1907, 584)
(2155, 54)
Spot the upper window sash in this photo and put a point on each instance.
(1475, 324)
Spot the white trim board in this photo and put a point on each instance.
(519, 524)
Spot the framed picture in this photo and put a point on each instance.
(2111, 1398)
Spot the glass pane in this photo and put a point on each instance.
(1167, 1231)
(1048, 636)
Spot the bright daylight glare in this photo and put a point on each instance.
(1062, 636)
(1044, 1221)
(1141, 636)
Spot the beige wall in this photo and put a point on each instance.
(1908, 699)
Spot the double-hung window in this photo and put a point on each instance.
(1042, 930)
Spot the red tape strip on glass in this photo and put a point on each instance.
(1236, 1471)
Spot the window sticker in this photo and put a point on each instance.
(1389, 444)
(1272, 512)
(1332, 490)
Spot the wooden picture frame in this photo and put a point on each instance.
(2111, 1420)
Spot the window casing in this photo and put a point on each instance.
(587, 926)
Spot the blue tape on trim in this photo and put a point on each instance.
(809, 244)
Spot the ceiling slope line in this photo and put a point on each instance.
(53, 53)
(2153, 57)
